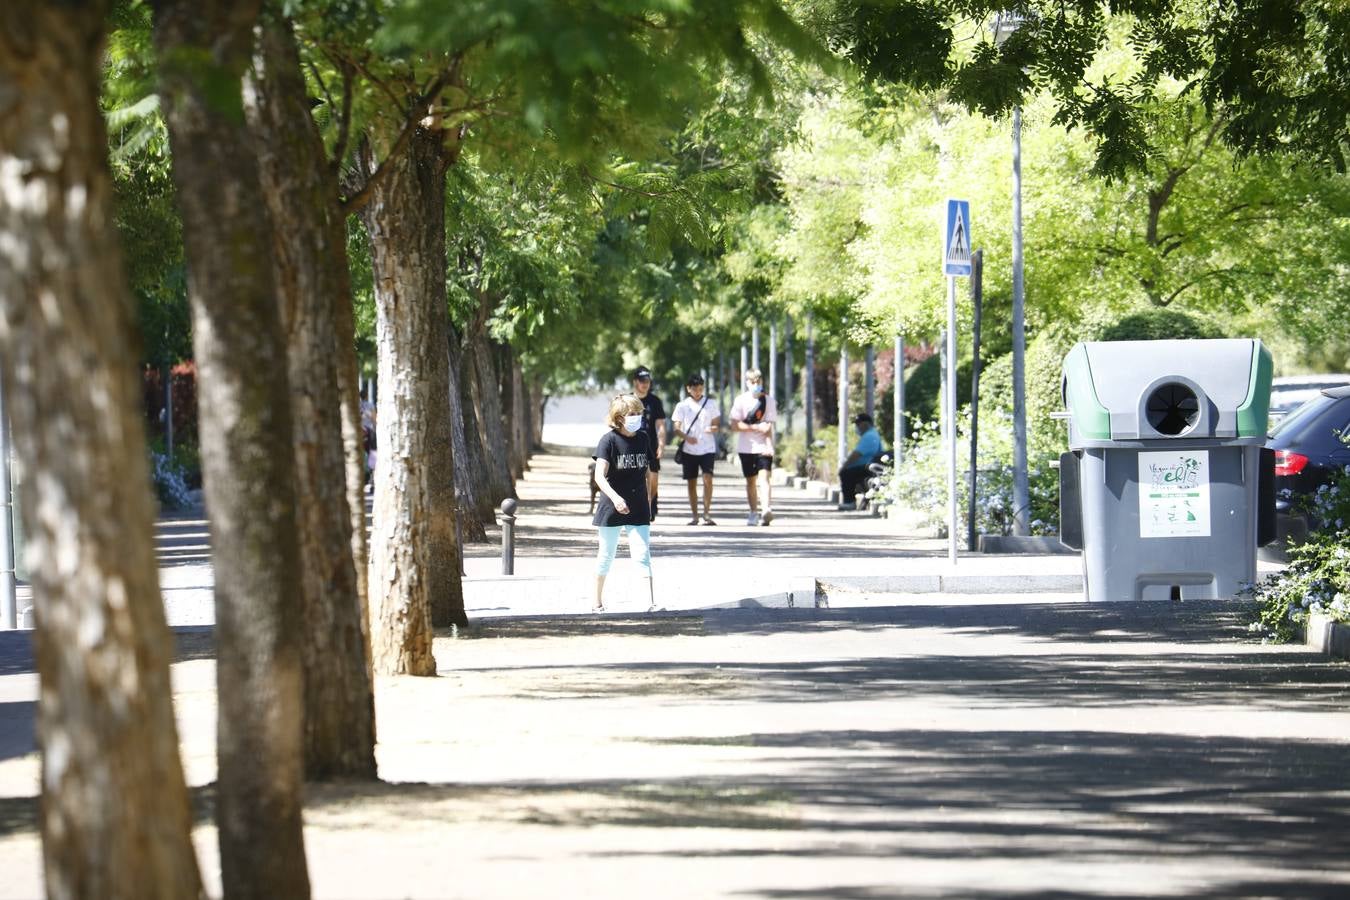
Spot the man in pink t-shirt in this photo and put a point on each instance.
(752, 417)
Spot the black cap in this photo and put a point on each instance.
(642, 373)
(693, 380)
(861, 417)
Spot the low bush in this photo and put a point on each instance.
(920, 482)
(1317, 579)
(820, 461)
(1158, 325)
(167, 477)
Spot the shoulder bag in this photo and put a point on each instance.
(679, 448)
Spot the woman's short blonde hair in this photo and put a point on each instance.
(754, 376)
(620, 406)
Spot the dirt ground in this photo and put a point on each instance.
(1016, 750)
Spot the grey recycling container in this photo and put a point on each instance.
(1167, 488)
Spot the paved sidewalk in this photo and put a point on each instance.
(957, 746)
(1026, 750)
(726, 565)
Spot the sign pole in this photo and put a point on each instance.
(956, 262)
(898, 445)
(9, 607)
(951, 420)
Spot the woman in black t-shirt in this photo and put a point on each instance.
(622, 460)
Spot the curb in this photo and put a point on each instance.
(1004, 543)
(967, 583)
(1327, 637)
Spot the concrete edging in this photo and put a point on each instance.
(959, 583)
(1327, 637)
(1012, 543)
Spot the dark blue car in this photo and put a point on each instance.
(1308, 449)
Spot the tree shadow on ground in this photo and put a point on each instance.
(190, 642)
(1262, 681)
(1193, 622)
(1010, 798)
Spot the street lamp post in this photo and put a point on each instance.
(1004, 25)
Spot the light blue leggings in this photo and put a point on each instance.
(639, 547)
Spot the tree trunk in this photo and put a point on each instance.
(301, 192)
(353, 437)
(467, 489)
(538, 401)
(487, 402)
(413, 544)
(514, 409)
(248, 466)
(115, 820)
(474, 466)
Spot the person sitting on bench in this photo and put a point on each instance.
(853, 474)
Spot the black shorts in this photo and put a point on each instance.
(654, 463)
(753, 463)
(692, 464)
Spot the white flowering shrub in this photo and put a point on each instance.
(1318, 577)
(920, 483)
(170, 487)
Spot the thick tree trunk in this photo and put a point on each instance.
(467, 490)
(413, 548)
(115, 819)
(519, 423)
(248, 466)
(473, 466)
(353, 437)
(301, 192)
(488, 408)
(501, 363)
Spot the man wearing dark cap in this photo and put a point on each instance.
(654, 424)
(853, 473)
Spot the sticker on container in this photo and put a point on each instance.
(1174, 494)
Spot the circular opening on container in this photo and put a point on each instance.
(1172, 409)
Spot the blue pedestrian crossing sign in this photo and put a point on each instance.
(956, 239)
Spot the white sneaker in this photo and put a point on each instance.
(767, 517)
(752, 519)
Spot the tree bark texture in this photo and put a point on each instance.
(248, 466)
(114, 819)
(470, 494)
(413, 542)
(538, 400)
(518, 420)
(301, 192)
(474, 466)
(487, 400)
(353, 437)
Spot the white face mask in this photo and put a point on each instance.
(633, 423)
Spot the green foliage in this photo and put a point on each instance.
(598, 78)
(144, 199)
(819, 461)
(1254, 243)
(1277, 74)
(919, 484)
(1317, 579)
(1159, 325)
(923, 387)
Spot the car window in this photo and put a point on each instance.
(1308, 411)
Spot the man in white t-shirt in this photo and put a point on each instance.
(697, 419)
(752, 417)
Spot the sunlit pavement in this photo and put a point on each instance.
(697, 566)
(1022, 750)
(953, 746)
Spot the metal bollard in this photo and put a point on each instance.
(508, 523)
